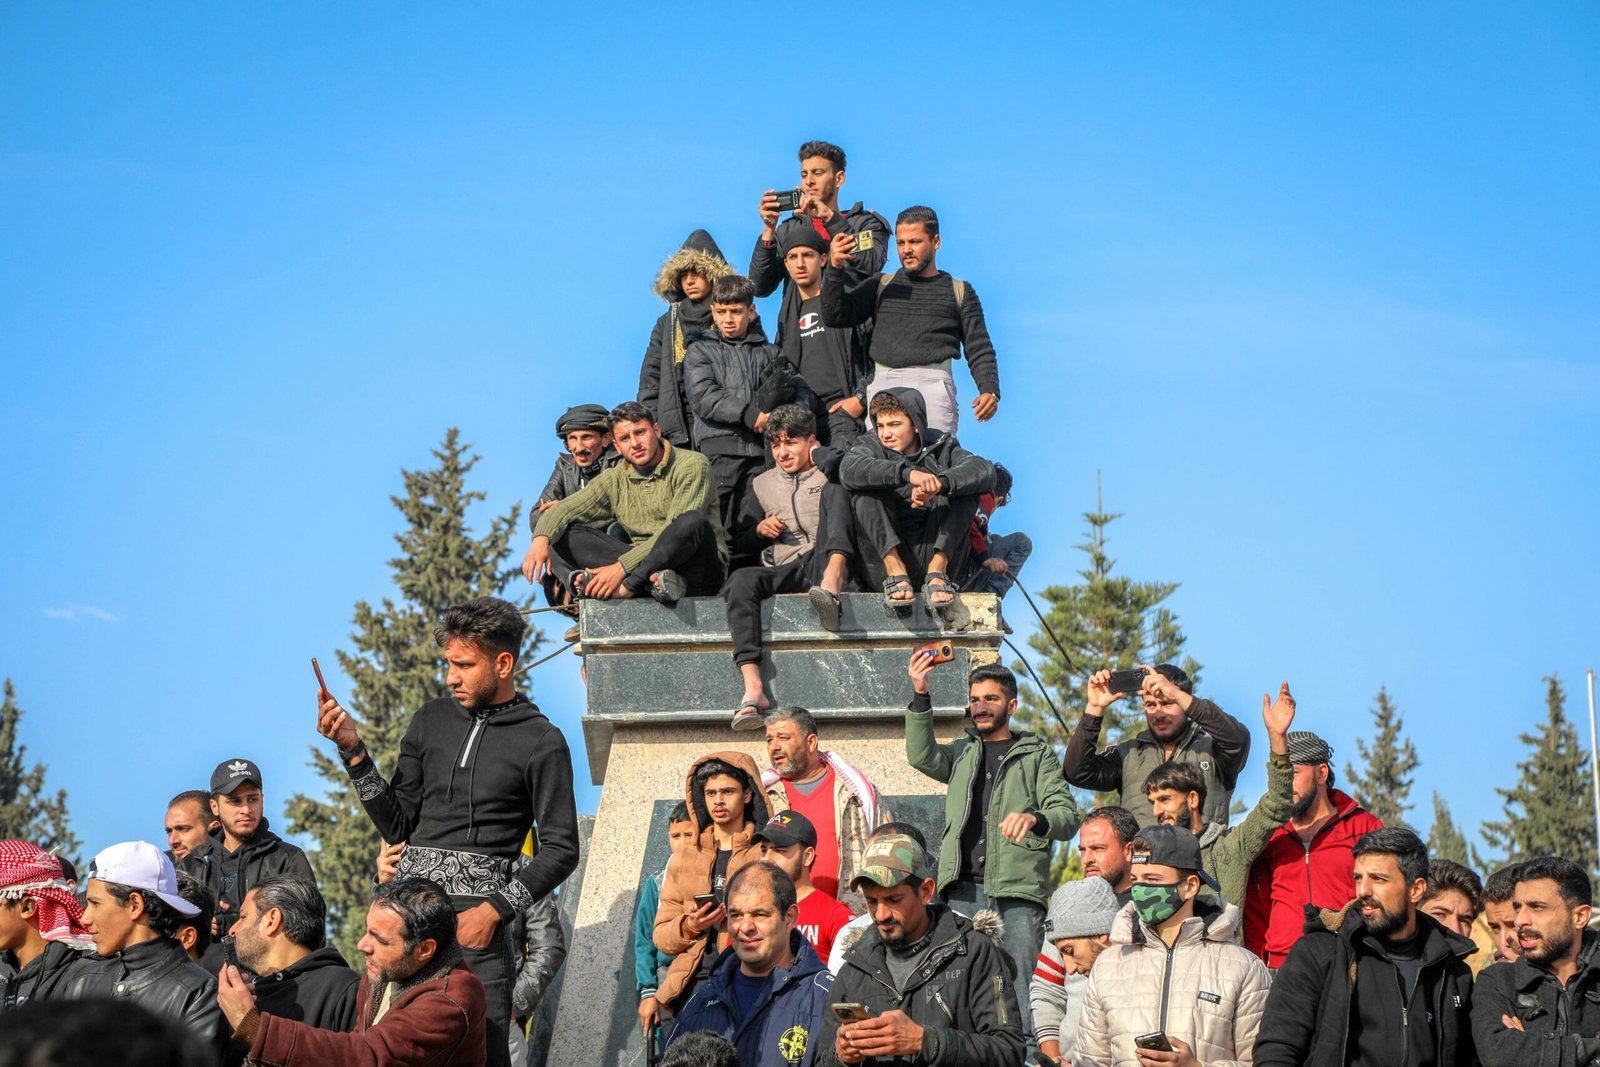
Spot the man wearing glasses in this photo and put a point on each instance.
(1007, 800)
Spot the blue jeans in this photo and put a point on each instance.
(1023, 935)
(1014, 548)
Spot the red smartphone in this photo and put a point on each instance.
(941, 651)
(320, 683)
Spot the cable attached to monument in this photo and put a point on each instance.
(1044, 693)
(542, 659)
(1065, 659)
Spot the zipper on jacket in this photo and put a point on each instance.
(472, 737)
(794, 509)
(1166, 987)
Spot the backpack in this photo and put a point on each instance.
(883, 283)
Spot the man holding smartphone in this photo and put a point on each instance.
(473, 775)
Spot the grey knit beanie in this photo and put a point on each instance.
(1083, 908)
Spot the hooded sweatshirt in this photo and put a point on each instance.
(683, 323)
(465, 791)
(871, 466)
(689, 872)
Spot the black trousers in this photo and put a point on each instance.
(687, 545)
(495, 968)
(840, 429)
(883, 522)
(747, 587)
(733, 475)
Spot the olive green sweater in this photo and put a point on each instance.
(642, 504)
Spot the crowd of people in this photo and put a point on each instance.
(798, 921)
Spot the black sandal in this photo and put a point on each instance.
(827, 606)
(580, 582)
(898, 583)
(938, 582)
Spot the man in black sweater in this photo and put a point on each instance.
(473, 774)
(923, 320)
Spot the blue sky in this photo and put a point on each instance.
(1312, 288)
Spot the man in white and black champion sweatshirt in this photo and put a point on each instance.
(474, 775)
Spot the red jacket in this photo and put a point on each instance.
(1289, 874)
(438, 1022)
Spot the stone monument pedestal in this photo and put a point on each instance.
(661, 693)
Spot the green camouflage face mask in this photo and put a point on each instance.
(1156, 903)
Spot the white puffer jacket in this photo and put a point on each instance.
(1205, 991)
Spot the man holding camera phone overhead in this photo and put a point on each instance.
(1006, 802)
(1180, 726)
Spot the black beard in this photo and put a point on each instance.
(1303, 805)
(1551, 947)
(1385, 922)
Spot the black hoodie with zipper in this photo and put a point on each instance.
(231, 876)
(467, 788)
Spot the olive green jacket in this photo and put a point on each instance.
(1029, 780)
(1227, 852)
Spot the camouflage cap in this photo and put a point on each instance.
(891, 859)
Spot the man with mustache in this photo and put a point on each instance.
(1542, 1008)
(1307, 860)
(1376, 982)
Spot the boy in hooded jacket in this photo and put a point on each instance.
(914, 494)
(685, 282)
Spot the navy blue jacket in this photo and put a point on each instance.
(785, 1027)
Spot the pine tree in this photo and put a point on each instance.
(1108, 621)
(1384, 787)
(1446, 841)
(27, 811)
(1550, 809)
(397, 667)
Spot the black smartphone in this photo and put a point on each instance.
(702, 899)
(1156, 1042)
(788, 199)
(1127, 681)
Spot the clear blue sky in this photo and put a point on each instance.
(1313, 287)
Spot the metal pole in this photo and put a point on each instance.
(1594, 759)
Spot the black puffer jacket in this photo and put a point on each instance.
(1338, 995)
(1560, 1027)
(722, 378)
(871, 466)
(961, 993)
(60, 972)
(683, 323)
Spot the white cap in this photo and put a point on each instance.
(140, 865)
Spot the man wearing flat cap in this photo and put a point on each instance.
(586, 432)
(1307, 860)
(1173, 988)
(930, 987)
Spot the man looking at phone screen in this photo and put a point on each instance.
(1179, 726)
(473, 775)
(1172, 990)
(922, 985)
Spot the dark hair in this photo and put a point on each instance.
(679, 812)
(1176, 676)
(925, 215)
(425, 912)
(1397, 841)
(199, 894)
(1184, 776)
(886, 403)
(700, 1048)
(305, 913)
(901, 828)
(733, 289)
(997, 673)
(95, 1031)
(790, 420)
(779, 884)
(795, 714)
(1142, 844)
(1002, 485)
(709, 770)
(1501, 886)
(1448, 874)
(162, 917)
(631, 411)
(831, 152)
(1571, 879)
(492, 624)
(1123, 824)
(199, 796)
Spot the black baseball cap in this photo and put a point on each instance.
(1172, 846)
(231, 774)
(788, 828)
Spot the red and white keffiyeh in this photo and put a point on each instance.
(26, 870)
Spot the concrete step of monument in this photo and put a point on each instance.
(647, 662)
